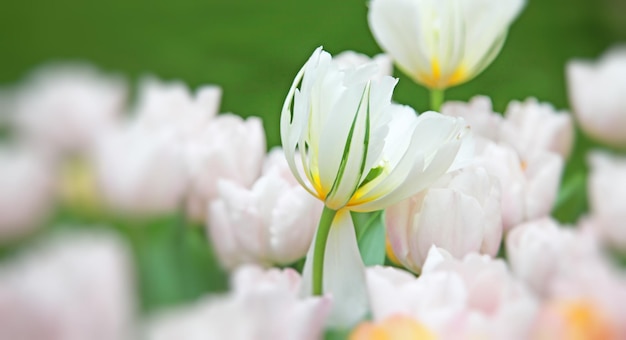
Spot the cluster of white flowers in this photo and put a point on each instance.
(465, 194)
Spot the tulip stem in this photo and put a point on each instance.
(320, 249)
(436, 99)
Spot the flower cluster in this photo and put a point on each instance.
(370, 222)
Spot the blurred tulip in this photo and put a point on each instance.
(607, 193)
(479, 115)
(266, 310)
(541, 250)
(456, 299)
(66, 108)
(596, 93)
(171, 107)
(529, 186)
(140, 172)
(440, 44)
(72, 287)
(228, 148)
(459, 213)
(357, 152)
(397, 327)
(271, 223)
(26, 192)
(350, 59)
(532, 127)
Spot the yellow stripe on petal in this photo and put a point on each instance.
(435, 80)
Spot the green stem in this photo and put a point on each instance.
(320, 249)
(436, 99)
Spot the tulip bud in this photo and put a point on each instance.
(596, 93)
(26, 192)
(532, 127)
(459, 213)
(140, 171)
(440, 44)
(228, 148)
(271, 223)
(66, 108)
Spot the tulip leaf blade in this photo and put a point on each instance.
(370, 234)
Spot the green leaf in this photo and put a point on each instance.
(370, 235)
(571, 201)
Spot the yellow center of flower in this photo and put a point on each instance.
(436, 80)
(390, 254)
(578, 320)
(397, 327)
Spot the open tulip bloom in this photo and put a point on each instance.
(350, 147)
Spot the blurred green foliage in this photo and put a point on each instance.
(253, 49)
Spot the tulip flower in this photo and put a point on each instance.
(229, 147)
(140, 171)
(440, 44)
(86, 101)
(459, 213)
(271, 223)
(476, 297)
(347, 59)
(596, 93)
(607, 193)
(532, 127)
(262, 305)
(479, 115)
(26, 192)
(72, 286)
(358, 152)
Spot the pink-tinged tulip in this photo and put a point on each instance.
(541, 251)
(532, 127)
(607, 194)
(479, 115)
(587, 302)
(396, 327)
(66, 108)
(350, 59)
(26, 192)
(173, 108)
(271, 223)
(267, 308)
(596, 93)
(459, 213)
(529, 186)
(140, 171)
(456, 299)
(228, 148)
(72, 287)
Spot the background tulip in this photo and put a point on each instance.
(596, 93)
(607, 192)
(271, 223)
(265, 309)
(440, 44)
(86, 101)
(70, 287)
(459, 213)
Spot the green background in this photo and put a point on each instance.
(253, 49)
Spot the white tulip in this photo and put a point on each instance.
(596, 93)
(72, 287)
(532, 127)
(26, 192)
(440, 44)
(262, 305)
(357, 152)
(66, 108)
(459, 213)
(228, 148)
(140, 171)
(271, 223)
(350, 59)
